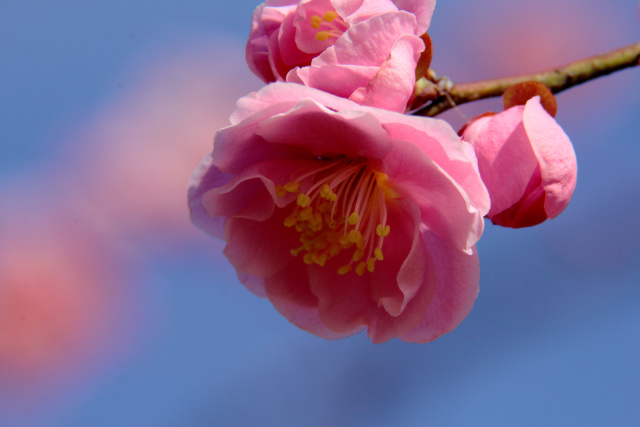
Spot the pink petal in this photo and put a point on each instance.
(323, 132)
(251, 193)
(369, 42)
(265, 22)
(392, 299)
(397, 278)
(305, 35)
(254, 284)
(238, 147)
(505, 158)
(276, 63)
(528, 211)
(555, 154)
(439, 141)
(280, 97)
(290, 294)
(205, 177)
(384, 327)
(393, 85)
(281, 3)
(422, 9)
(456, 281)
(355, 11)
(408, 273)
(290, 51)
(344, 302)
(445, 206)
(339, 80)
(259, 248)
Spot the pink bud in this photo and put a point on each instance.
(527, 163)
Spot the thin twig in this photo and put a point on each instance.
(431, 100)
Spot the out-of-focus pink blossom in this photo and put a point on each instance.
(137, 153)
(56, 300)
(365, 50)
(345, 217)
(527, 163)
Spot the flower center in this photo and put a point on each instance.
(344, 209)
(328, 25)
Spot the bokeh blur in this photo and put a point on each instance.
(115, 311)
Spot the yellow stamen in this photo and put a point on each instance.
(292, 187)
(280, 191)
(305, 214)
(353, 218)
(383, 231)
(308, 258)
(343, 207)
(316, 21)
(371, 264)
(330, 16)
(355, 236)
(303, 200)
(323, 35)
(344, 269)
(290, 221)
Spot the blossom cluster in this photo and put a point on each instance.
(343, 209)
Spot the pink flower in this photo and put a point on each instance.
(365, 50)
(345, 217)
(527, 163)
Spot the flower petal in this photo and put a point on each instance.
(555, 154)
(305, 34)
(322, 132)
(422, 9)
(445, 206)
(397, 278)
(354, 11)
(439, 141)
(259, 248)
(280, 97)
(205, 177)
(456, 281)
(368, 43)
(290, 294)
(290, 52)
(393, 84)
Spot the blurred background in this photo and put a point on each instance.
(115, 311)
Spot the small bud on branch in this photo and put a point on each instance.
(432, 99)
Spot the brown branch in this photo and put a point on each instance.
(435, 95)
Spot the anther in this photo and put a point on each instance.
(360, 268)
(280, 191)
(290, 221)
(292, 187)
(330, 16)
(354, 218)
(344, 269)
(383, 231)
(371, 264)
(323, 35)
(316, 21)
(303, 200)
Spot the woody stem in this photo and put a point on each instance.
(432, 97)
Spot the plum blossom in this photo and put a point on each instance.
(365, 50)
(345, 217)
(527, 163)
